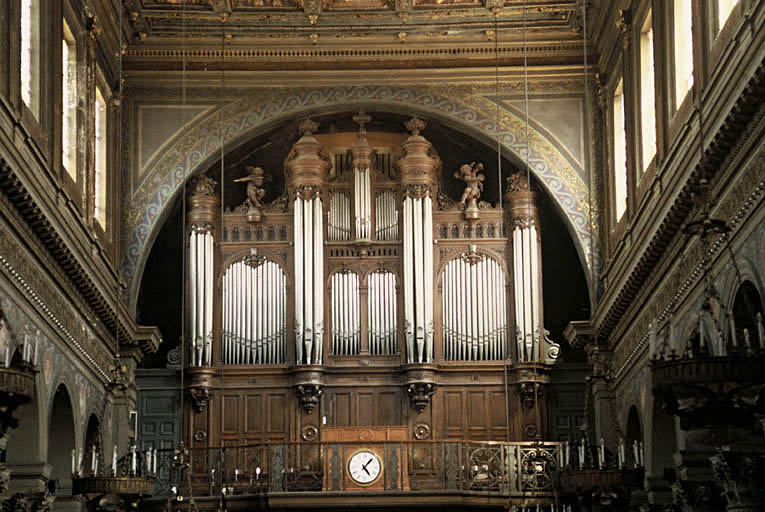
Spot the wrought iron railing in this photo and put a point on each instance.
(497, 468)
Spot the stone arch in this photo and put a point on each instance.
(248, 118)
(633, 431)
(61, 439)
(93, 443)
(25, 444)
(663, 442)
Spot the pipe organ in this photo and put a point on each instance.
(474, 309)
(362, 295)
(201, 268)
(382, 313)
(346, 314)
(254, 312)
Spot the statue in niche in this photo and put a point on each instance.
(253, 205)
(473, 177)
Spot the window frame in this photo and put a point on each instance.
(618, 219)
(100, 89)
(645, 168)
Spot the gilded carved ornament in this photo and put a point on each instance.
(203, 186)
(624, 24)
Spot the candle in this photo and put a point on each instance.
(114, 461)
(8, 355)
(559, 449)
(701, 333)
(95, 468)
(760, 330)
(154, 462)
(34, 354)
(74, 461)
(93, 460)
(581, 455)
(133, 461)
(642, 455)
(601, 453)
(621, 453)
(635, 454)
(747, 341)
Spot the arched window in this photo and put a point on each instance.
(747, 317)
(474, 309)
(254, 312)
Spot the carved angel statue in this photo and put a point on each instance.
(473, 177)
(255, 193)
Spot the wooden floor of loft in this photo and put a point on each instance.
(442, 501)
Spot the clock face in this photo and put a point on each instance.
(364, 467)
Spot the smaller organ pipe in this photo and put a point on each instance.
(427, 240)
(318, 276)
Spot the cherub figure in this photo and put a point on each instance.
(255, 193)
(473, 177)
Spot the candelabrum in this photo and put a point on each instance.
(596, 478)
(17, 385)
(129, 479)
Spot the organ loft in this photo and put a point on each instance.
(363, 295)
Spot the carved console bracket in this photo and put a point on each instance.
(420, 384)
(199, 387)
(308, 381)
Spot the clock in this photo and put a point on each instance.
(364, 467)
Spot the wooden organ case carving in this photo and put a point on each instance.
(363, 296)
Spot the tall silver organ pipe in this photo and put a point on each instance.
(254, 312)
(474, 309)
(201, 294)
(339, 222)
(418, 167)
(386, 216)
(346, 314)
(418, 278)
(382, 313)
(306, 170)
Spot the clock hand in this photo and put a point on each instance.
(364, 467)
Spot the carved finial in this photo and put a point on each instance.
(490, 34)
(415, 125)
(623, 22)
(517, 182)
(362, 118)
(308, 127)
(203, 186)
(402, 36)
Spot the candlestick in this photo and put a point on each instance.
(8, 355)
(701, 333)
(581, 455)
(74, 461)
(620, 452)
(642, 455)
(635, 453)
(601, 454)
(760, 330)
(93, 459)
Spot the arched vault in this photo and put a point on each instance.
(474, 115)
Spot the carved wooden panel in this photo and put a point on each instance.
(231, 422)
(365, 407)
(472, 413)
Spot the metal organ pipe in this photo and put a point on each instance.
(409, 320)
(318, 279)
(474, 320)
(299, 279)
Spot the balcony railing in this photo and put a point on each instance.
(495, 468)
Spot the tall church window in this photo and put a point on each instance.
(620, 152)
(69, 102)
(724, 8)
(683, 49)
(647, 96)
(99, 206)
(30, 55)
